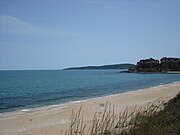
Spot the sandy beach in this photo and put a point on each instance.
(53, 119)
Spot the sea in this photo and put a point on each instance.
(28, 89)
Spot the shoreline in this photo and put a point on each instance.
(57, 117)
(46, 107)
(66, 104)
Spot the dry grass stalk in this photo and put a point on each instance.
(108, 123)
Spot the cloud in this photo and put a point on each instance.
(16, 26)
(12, 25)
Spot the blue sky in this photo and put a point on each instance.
(54, 34)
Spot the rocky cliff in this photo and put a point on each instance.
(148, 65)
(152, 65)
(170, 64)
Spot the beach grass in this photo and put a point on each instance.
(157, 118)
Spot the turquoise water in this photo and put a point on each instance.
(27, 89)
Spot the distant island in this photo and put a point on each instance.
(165, 65)
(115, 66)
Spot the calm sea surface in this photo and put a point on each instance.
(28, 89)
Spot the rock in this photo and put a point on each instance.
(152, 65)
(170, 64)
(148, 65)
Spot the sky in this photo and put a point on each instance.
(55, 34)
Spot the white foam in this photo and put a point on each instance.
(79, 101)
(25, 110)
(158, 86)
(176, 82)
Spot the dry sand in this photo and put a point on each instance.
(51, 120)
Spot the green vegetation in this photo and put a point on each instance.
(164, 122)
(115, 66)
(156, 119)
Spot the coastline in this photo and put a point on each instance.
(66, 104)
(54, 118)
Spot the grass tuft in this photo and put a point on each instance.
(157, 118)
